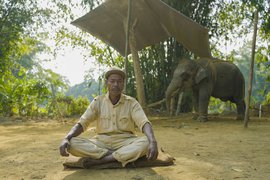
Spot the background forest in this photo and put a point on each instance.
(26, 27)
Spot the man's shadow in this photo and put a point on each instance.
(115, 174)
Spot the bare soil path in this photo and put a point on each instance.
(218, 149)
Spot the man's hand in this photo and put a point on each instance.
(75, 131)
(153, 151)
(63, 147)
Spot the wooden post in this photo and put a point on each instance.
(251, 69)
(137, 67)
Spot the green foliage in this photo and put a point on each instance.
(91, 3)
(232, 26)
(216, 106)
(79, 105)
(85, 89)
(267, 101)
(26, 89)
(67, 106)
(29, 90)
(261, 74)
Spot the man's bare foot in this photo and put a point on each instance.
(109, 152)
(88, 162)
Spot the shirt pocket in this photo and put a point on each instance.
(104, 122)
(126, 124)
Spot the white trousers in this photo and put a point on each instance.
(127, 147)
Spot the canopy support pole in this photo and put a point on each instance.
(127, 41)
(137, 67)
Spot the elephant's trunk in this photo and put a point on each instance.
(170, 93)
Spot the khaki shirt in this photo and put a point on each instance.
(119, 118)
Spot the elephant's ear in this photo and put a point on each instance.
(201, 74)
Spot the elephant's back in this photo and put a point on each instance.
(227, 71)
(229, 82)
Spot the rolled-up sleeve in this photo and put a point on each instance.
(138, 115)
(89, 115)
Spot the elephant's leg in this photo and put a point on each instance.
(203, 109)
(195, 100)
(240, 109)
(204, 98)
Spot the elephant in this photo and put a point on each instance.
(208, 77)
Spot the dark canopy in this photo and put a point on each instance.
(156, 22)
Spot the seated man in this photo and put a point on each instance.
(116, 116)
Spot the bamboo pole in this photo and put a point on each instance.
(127, 41)
(251, 69)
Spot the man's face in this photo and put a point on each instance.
(115, 84)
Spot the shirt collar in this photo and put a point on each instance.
(121, 100)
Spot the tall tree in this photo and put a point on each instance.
(21, 30)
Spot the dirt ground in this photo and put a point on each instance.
(218, 149)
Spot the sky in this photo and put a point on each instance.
(72, 65)
(71, 62)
